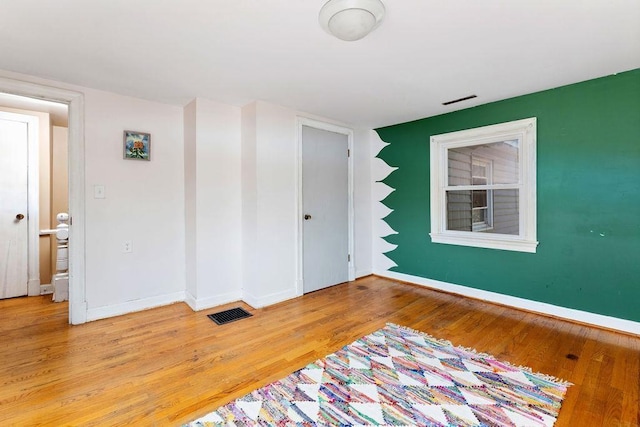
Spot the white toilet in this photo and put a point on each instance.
(60, 280)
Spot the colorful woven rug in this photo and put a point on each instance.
(400, 377)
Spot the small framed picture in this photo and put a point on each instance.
(137, 145)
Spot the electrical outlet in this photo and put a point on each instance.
(98, 192)
(127, 246)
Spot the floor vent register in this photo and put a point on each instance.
(228, 316)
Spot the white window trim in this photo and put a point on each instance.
(522, 130)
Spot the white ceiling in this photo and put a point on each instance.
(235, 51)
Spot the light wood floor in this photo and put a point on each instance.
(169, 365)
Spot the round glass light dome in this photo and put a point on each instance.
(351, 20)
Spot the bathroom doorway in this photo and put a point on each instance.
(50, 172)
(34, 143)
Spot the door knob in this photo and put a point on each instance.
(20, 217)
(307, 216)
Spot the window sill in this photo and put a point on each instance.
(486, 241)
(481, 227)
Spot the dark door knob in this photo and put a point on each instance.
(307, 217)
(19, 217)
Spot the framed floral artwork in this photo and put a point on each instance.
(137, 145)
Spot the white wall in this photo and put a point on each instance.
(249, 197)
(190, 184)
(270, 200)
(379, 170)
(362, 202)
(144, 203)
(271, 219)
(213, 203)
(212, 216)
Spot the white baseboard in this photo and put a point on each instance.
(46, 289)
(131, 306)
(351, 273)
(198, 304)
(599, 320)
(263, 301)
(33, 287)
(190, 300)
(363, 273)
(77, 312)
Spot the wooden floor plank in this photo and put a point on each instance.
(169, 365)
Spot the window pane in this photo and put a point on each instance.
(506, 212)
(459, 165)
(468, 165)
(479, 170)
(479, 216)
(494, 211)
(479, 198)
(459, 210)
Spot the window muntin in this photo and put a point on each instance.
(481, 212)
(481, 200)
(483, 187)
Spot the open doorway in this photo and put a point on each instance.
(34, 176)
(75, 156)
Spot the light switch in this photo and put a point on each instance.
(98, 192)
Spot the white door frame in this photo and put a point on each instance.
(75, 101)
(33, 198)
(303, 121)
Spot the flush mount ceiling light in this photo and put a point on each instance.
(351, 20)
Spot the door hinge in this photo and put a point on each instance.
(348, 153)
(349, 258)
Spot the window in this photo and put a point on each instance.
(481, 200)
(483, 187)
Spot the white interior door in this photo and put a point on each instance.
(325, 203)
(13, 208)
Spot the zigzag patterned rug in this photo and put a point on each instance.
(400, 377)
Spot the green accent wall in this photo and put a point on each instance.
(588, 199)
